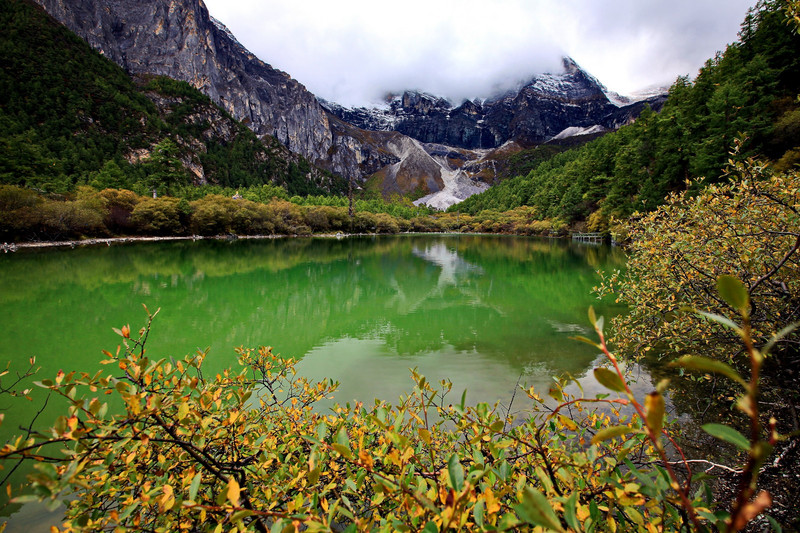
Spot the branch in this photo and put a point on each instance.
(777, 267)
(710, 468)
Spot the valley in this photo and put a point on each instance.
(355, 241)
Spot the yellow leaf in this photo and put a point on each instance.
(233, 492)
(425, 435)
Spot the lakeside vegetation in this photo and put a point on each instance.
(88, 213)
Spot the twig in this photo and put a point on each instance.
(710, 468)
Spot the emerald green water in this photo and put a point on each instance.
(482, 311)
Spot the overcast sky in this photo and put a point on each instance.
(354, 51)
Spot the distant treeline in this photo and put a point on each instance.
(26, 215)
(750, 91)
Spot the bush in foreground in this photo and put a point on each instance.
(246, 450)
(749, 228)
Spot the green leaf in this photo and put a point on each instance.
(478, 512)
(238, 515)
(556, 393)
(609, 379)
(430, 527)
(733, 291)
(535, 509)
(507, 522)
(610, 433)
(776, 527)
(497, 426)
(778, 336)
(127, 512)
(342, 438)
(195, 486)
(343, 450)
(727, 434)
(704, 364)
(722, 320)
(570, 512)
(456, 472)
(183, 411)
(322, 431)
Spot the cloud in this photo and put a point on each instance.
(354, 51)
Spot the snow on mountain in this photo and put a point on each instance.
(637, 96)
(574, 131)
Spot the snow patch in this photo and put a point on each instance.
(643, 94)
(457, 188)
(574, 131)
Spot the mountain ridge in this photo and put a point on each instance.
(180, 39)
(534, 112)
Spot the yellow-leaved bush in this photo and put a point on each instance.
(748, 228)
(247, 450)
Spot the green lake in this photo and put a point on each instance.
(482, 311)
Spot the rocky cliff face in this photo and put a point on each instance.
(536, 112)
(178, 38)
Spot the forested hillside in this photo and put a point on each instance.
(749, 91)
(68, 116)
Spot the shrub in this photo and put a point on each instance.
(214, 215)
(364, 222)
(19, 212)
(287, 217)
(385, 223)
(119, 206)
(318, 218)
(251, 218)
(70, 219)
(748, 228)
(426, 224)
(246, 450)
(158, 216)
(327, 218)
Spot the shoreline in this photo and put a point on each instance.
(7, 247)
(108, 241)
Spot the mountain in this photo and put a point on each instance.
(69, 116)
(419, 145)
(743, 104)
(544, 107)
(178, 38)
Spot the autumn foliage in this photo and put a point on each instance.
(247, 450)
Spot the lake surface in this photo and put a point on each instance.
(482, 311)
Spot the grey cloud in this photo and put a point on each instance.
(355, 51)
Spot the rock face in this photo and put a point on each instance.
(178, 38)
(534, 113)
